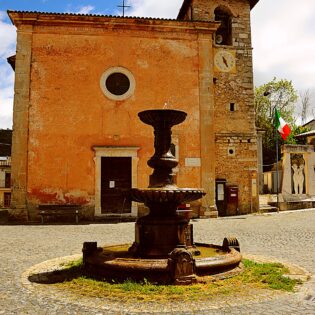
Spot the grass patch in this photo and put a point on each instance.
(268, 274)
(130, 290)
(73, 264)
(255, 276)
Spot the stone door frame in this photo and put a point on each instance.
(108, 151)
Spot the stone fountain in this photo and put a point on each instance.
(163, 230)
(164, 250)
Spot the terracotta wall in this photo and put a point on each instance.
(69, 114)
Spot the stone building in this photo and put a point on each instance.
(5, 167)
(310, 124)
(5, 182)
(82, 79)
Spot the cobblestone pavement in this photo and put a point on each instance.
(287, 236)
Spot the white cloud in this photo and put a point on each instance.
(7, 48)
(6, 105)
(6, 115)
(85, 10)
(8, 37)
(153, 8)
(284, 41)
(6, 96)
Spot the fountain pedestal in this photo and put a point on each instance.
(163, 229)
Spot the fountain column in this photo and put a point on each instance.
(163, 230)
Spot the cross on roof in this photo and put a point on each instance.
(123, 6)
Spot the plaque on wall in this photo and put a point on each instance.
(193, 162)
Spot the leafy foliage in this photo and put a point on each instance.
(278, 94)
(296, 130)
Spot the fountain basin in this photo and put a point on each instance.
(114, 262)
(166, 117)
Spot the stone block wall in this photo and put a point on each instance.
(20, 123)
(234, 114)
(236, 161)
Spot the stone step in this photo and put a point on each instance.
(267, 208)
(267, 198)
(295, 205)
(294, 198)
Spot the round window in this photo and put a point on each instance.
(117, 83)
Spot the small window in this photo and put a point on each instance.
(231, 151)
(223, 35)
(232, 107)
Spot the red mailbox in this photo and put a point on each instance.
(232, 200)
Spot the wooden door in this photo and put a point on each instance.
(7, 200)
(115, 183)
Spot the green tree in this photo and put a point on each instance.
(282, 95)
(296, 130)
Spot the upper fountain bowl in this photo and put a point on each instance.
(171, 195)
(169, 117)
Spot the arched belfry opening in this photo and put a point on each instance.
(223, 35)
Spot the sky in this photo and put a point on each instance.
(283, 33)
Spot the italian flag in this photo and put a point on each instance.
(282, 126)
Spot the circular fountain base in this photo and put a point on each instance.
(117, 263)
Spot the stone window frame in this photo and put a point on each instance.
(127, 73)
(110, 151)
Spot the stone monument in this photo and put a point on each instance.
(298, 171)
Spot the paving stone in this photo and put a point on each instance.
(285, 236)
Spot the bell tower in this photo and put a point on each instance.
(234, 16)
(232, 112)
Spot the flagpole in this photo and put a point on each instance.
(277, 155)
(277, 167)
(284, 130)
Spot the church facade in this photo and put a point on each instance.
(80, 81)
